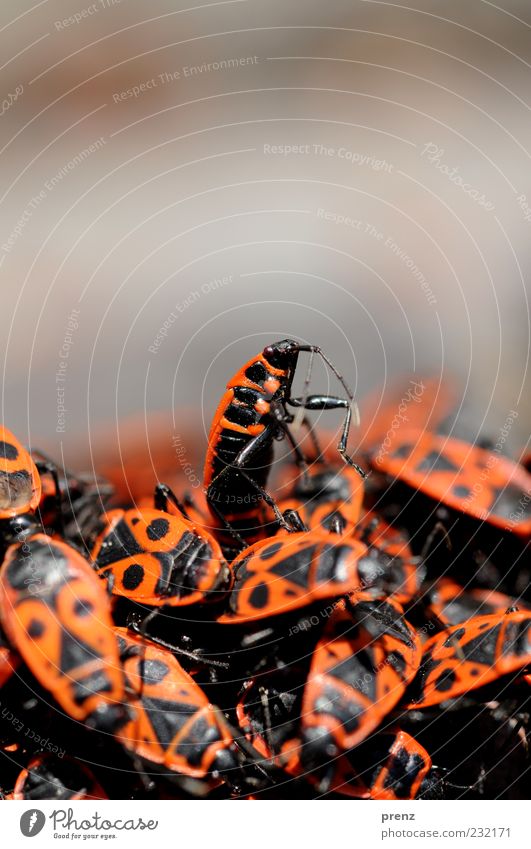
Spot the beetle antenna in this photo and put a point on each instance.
(299, 415)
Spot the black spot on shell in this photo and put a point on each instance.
(259, 596)
(83, 608)
(118, 543)
(155, 671)
(295, 566)
(397, 660)
(454, 638)
(8, 451)
(257, 373)
(270, 551)
(247, 396)
(238, 414)
(483, 648)
(157, 529)
(133, 576)
(403, 451)
(445, 681)
(333, 563)
(436, 462)
(36, 629)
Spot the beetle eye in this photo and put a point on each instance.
(281, 352)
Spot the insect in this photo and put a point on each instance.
(360, 668)
(268, 712)
(174, 724)
(327, 498)
(36, 496)
(157, 558)
(26, 486)
(399, 573)
(20, 485)
(330, 499)
(278, 575)
(82, 500)
(251, 415)
(48, 777)
(464, 477)
(56, 614)
(392, 766)
(470, 655)
(20, 488)
(451, 604)
(417, 404)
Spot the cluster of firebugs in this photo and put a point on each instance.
(361, 629)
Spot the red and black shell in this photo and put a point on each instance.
(464, 477)
(416, 403)
(468, 656)
(156, 558)
(327, 496)
(174, 723)
(451, 604)
(59, 779)
(20, 483)
(290, 572)
(398, 572)
(268, 713)
(56, 614)
(83, 498)
(404, 773)
(243, 414)
(392, 766)
(360, 669)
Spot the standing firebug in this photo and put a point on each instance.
(251, 415)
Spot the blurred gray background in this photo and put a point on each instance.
(183, 182)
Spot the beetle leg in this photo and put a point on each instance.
(227, 525)
(294, 519)
(283, 420)
(49, 468)
(195, 656)
(162, 495)
(264, 700)
(331, 402)
(238, 464)
(268, 500)
(438, 528)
